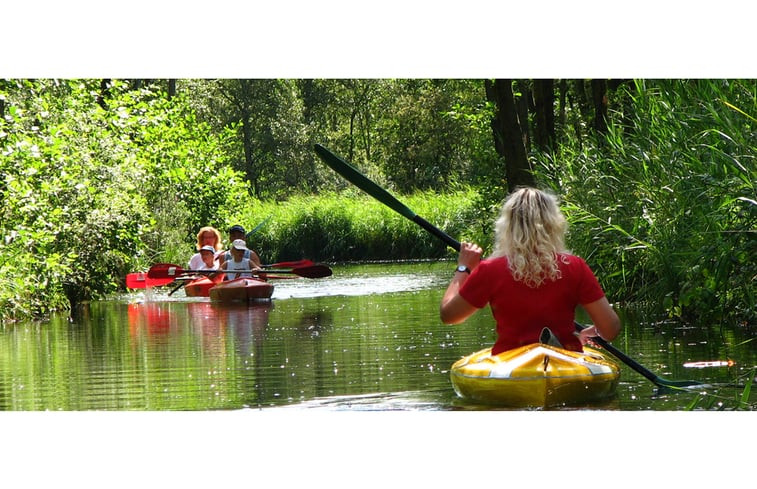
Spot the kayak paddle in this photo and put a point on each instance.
(361, 181)
(659, 381)
(169, 270)
(256, 228)
(140, 280)
(246, 237)
(175, 289)
(290, 264)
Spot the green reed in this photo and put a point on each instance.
(664, 207)
(710, 402)
(354, 227)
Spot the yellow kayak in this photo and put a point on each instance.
(535, 375)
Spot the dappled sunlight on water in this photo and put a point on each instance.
(367, 338)
(356, 284)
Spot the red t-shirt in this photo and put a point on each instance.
(521, 311)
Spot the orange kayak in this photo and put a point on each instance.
(241, 290)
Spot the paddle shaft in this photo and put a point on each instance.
(657, 380)
(166, 270)
(361, 181)
(446, 238)
(140, 280)
(256, 228)
(290, 264)
(182, 284)
(351, 174)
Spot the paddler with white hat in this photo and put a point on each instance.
(235, 267)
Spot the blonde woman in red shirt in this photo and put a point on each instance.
(530, 281)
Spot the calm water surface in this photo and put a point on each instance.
(367, 338)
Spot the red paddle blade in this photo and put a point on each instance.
(313, 271)
(164, 271)
(140, 280)
(290, 264)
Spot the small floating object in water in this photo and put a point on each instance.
(717, 363)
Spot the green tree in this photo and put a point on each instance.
(272, 138)
(87, 167)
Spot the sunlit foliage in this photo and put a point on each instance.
(665, 206)
(88, 171)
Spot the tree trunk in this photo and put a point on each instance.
(171, 88)
(544, 100)
(599, 98)
(367, 134)
(563, 101)
(307, 89)
(524, 105)
(582, 99)
(508, 139)
(104, 93)
(351, 152)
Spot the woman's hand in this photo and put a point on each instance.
(454, 309)
(587, 334)
(470, 255)
(605, 320)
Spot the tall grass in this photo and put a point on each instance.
(708, 402)
(665, 209)
(354, 227)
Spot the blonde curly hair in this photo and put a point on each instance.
(530, 232)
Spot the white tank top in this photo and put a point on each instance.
(232, 265)
(227, 256)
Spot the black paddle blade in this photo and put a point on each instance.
(351, 174)
(678, 383)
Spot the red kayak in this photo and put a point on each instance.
(200, 287)
(241, 290)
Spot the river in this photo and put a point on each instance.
(366, 338)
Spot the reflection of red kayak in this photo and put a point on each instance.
(241, 290)
(153, 318)
(200, 287)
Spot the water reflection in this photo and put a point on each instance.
(247, 324)
(361, 280)
(148, 319)
(367, 338)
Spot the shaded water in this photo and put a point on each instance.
(367, 338)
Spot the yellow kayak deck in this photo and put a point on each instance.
(535, 375)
